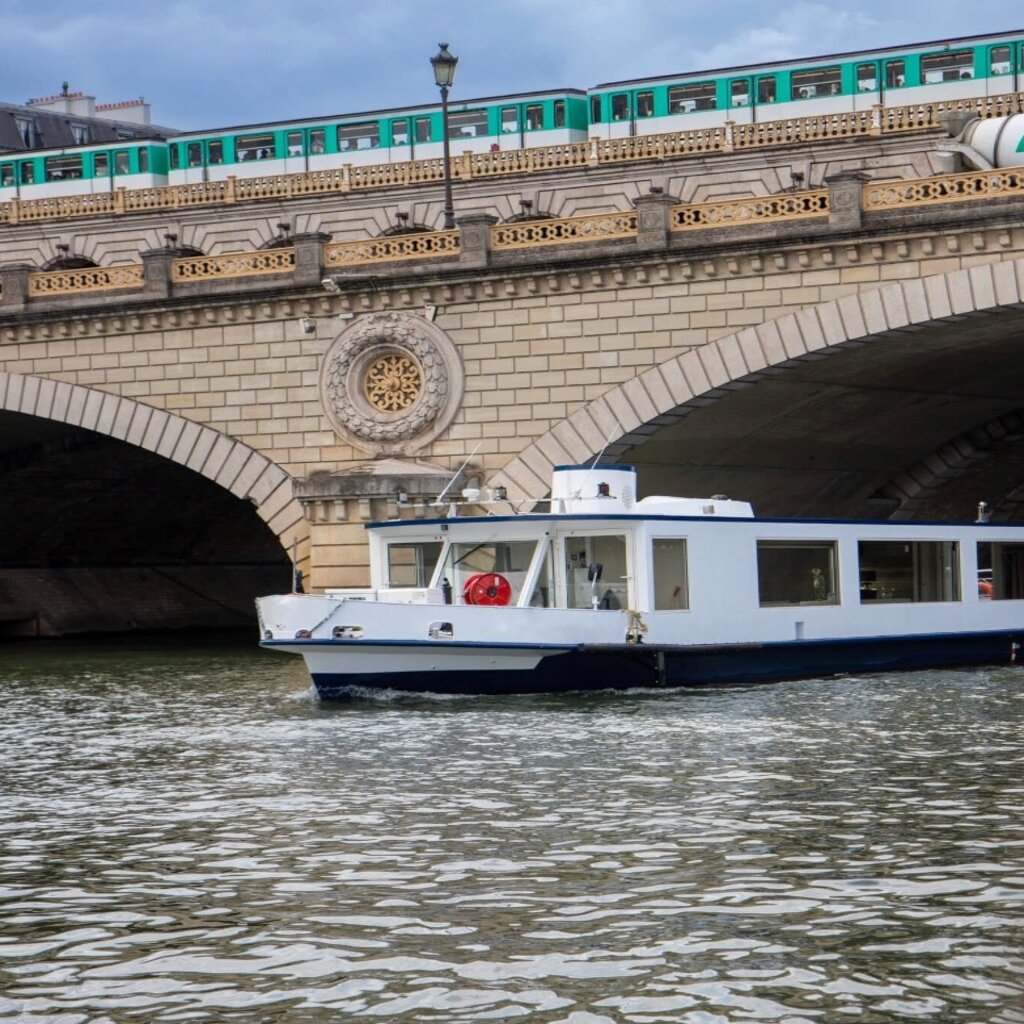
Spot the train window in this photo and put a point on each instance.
(559, 113)
(255, 147)
(294, 144)
(947, 67)
(6, 174)
(318, 141)
(684, 98)
(644, 104)
(194, 152)
(895, 74)
(63, 168)
(766, 89)
(467, 124)
(215, 152)
(509, 119)
(819, 82)
(352, 137)
(175, 157)
(620, 107)
(595, 109)
(1000, 60)
(867, 78)
(28, 173)
(422, 129)
(121, 161)
(143, 155)
(400, 132)
(739, 93)
(101, 165)
(534, 117)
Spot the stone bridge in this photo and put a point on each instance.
(829, 327)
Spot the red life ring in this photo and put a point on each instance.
(487, 588)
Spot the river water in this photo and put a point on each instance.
(185, 835)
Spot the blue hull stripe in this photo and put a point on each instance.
(620, 667)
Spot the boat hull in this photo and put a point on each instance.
(603, 667)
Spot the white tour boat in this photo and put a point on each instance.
(602, 590)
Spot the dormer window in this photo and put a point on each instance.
(27, 130)
(80, 133)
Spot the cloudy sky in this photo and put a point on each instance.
(208, 63)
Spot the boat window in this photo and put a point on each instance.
(644, 104)
(467, 124)
(947, 67)
(684, 98)
(671, 588)
(895, 74)
(510, 559)
(411, 565)
(607, 584)
(796, 572)
(559, 113)
(766, 89)
(819, 82)
(1000, 62)
(1000, 571)
(867, 78)
(901, 571)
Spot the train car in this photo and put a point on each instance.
(81, 170)
(390, 136)
(895, 76)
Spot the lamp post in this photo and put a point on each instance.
(444, 75)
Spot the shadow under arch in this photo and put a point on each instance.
(627, 415)
(229, 463)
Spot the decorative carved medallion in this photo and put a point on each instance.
(391, 382)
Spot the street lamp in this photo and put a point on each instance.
(444, 75)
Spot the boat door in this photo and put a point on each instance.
(301, 147)
(741, 99)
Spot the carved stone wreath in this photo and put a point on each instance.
(391, 382)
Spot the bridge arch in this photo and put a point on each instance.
(229, 463)
(663, 395)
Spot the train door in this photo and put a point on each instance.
(867, 84)
(302, 146)
(740, 98)
(621, 116)
(400, 145)
(511, 126)
(1002, 70)
(102, 179)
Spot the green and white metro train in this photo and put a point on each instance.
(952, 69)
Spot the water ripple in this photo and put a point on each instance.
(186, 836)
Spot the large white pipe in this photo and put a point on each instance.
(1000, 140)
